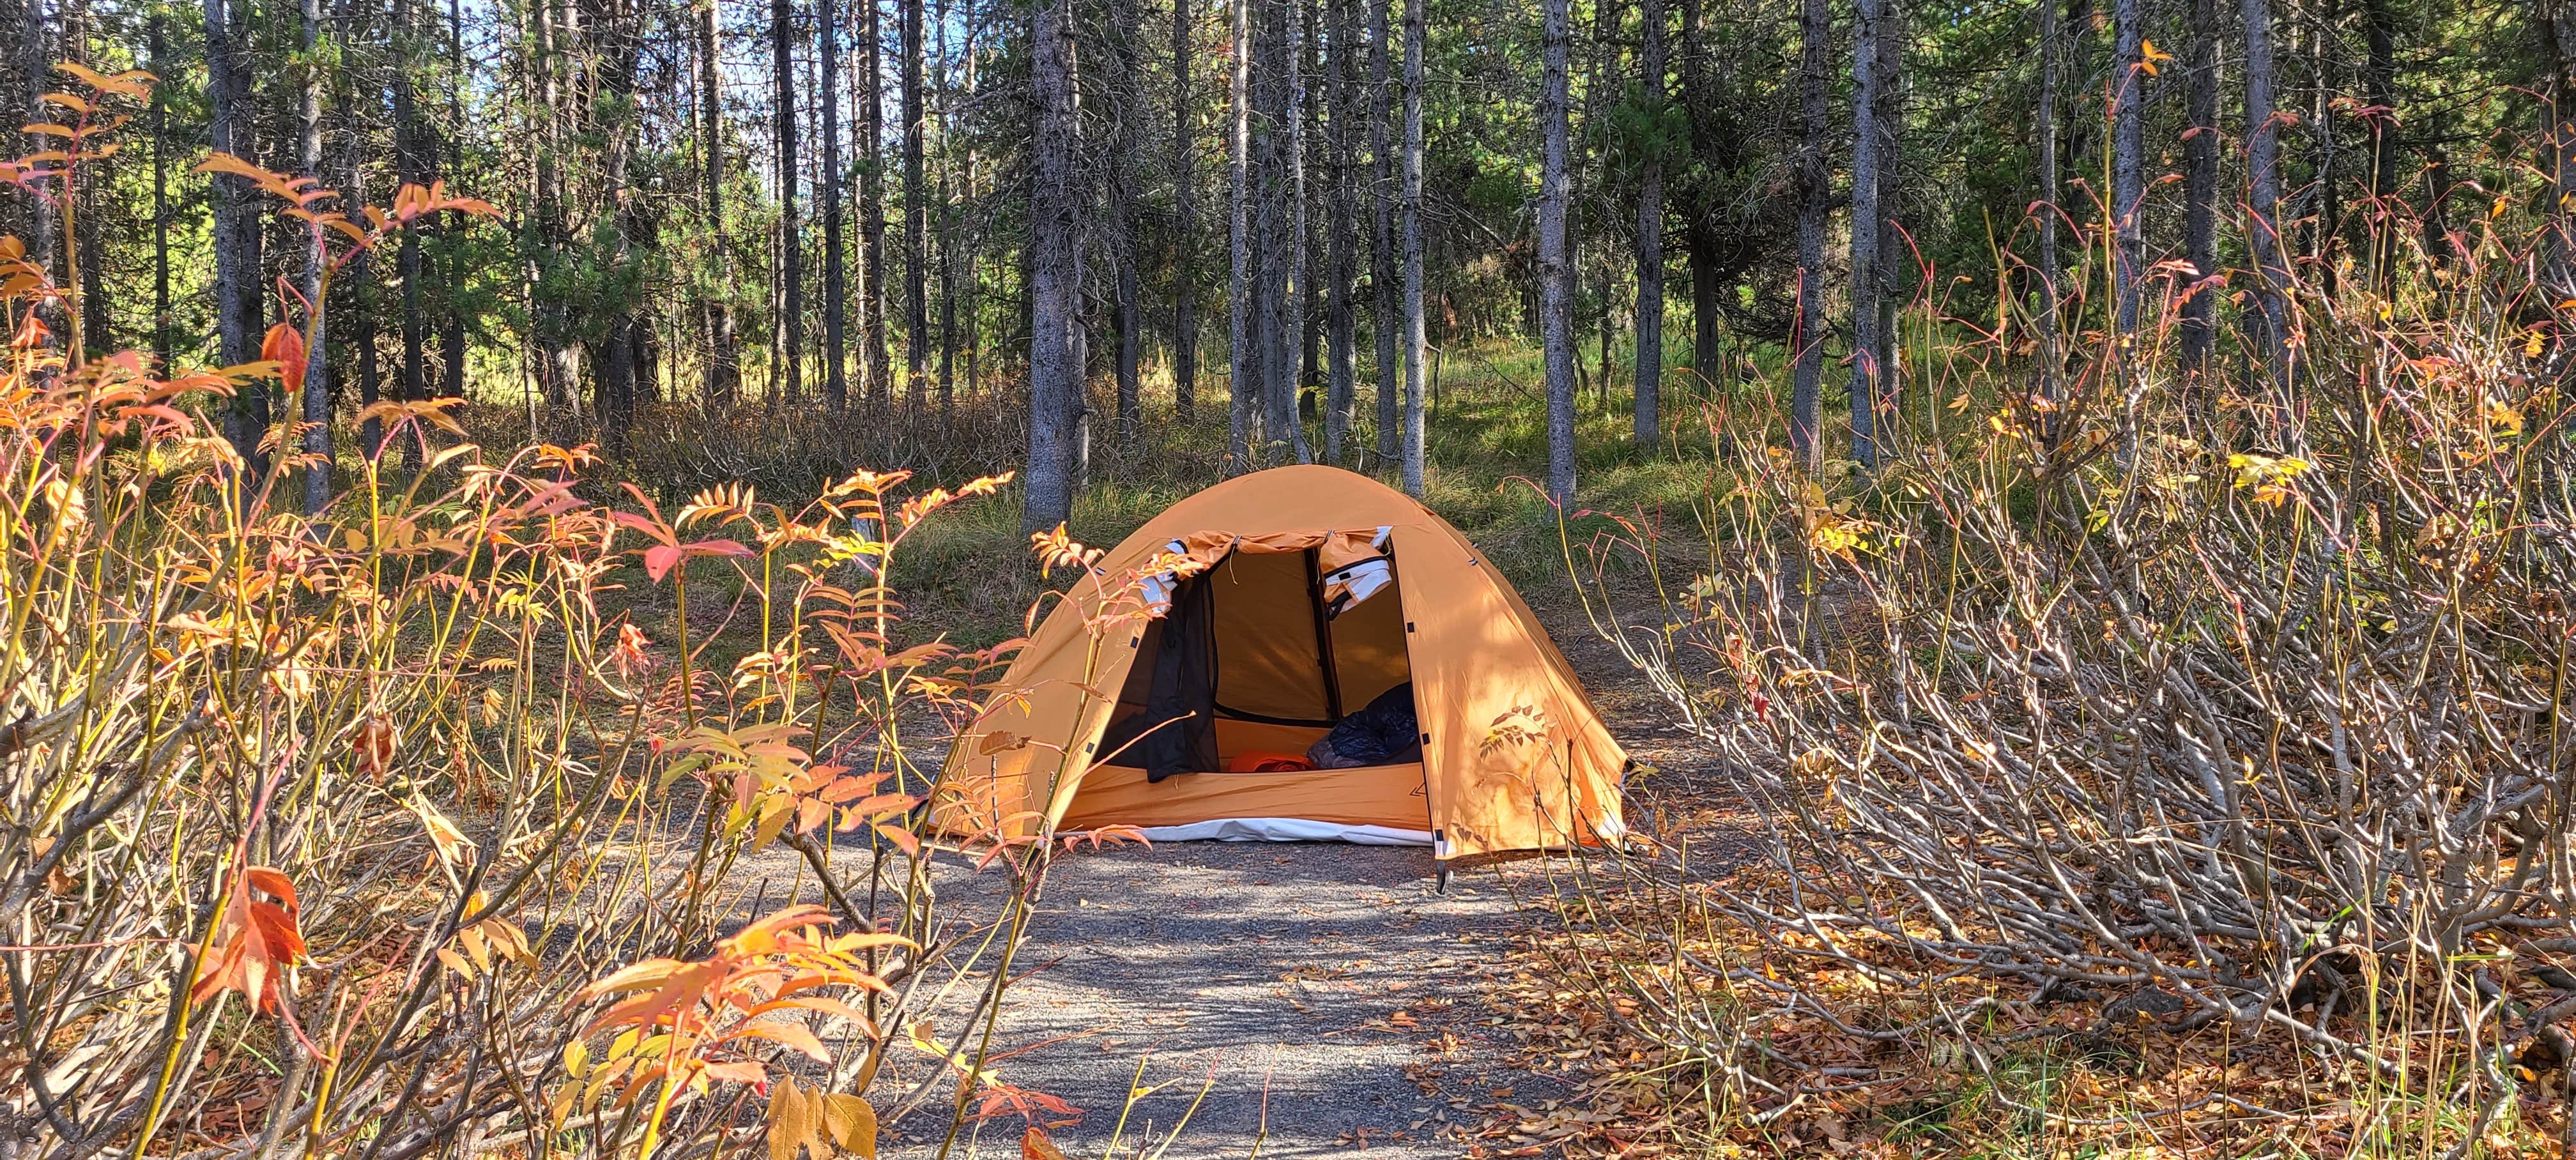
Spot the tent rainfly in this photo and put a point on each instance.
(1182, 686)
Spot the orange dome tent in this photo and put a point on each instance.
(1239, 626)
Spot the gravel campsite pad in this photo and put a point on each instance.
(1330, 992)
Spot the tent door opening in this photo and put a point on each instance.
(1257, 659)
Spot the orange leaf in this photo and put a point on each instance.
(1036, 1145)
(285, 347)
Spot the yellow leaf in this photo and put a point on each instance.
(576, 1058)
(455, 962)
(786, 1120)
(852, 1122)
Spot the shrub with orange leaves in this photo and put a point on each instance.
(685, 1025)
(328, 819)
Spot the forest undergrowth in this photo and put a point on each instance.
(2144, 762)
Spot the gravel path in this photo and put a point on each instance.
(1325, 994)
(1332, 976)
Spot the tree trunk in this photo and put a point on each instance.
(1272, 259)
(31, 65)
(724, 366)
(317, 394)
(1892, 250)
(451, 330)
(1384, 337)
(791, 235)
(2200, 191)
(1185, 226)
(1416, 343)
(163, 352)
(1815, 57)
(554, 356)
(236, 230)
(2262, 157)
(1339, 332)
(359, 277)
(619, 370)
(2379, 89)
(872, 246)
(2128, 150)
(97, 322)
(1243, 348)
(951, 250)
(827, 53)
(408, 171)
(1291, 248)
(1647, 429)
(916, 212)
(1312, 269)
(2049, 54)
(1555, 257)
(1126, 124)
(2561, 252)
(1864, 234)
(1055, 267)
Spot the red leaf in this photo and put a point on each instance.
(285, 347)
(659, 558)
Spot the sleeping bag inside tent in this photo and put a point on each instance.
(1299, 653)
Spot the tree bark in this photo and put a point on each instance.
(1891, 265)
(1815, 58)
(1292, 249)
(791, 237)
(827, 52)
(951, 251)
(872, 246)
(1864, 234)
(1555, 257)
(554, 355)
(317, 394)
(2262, 155)
(2200, 191)
(1416, 343)
(1647, 425)
(1244, 352)
(2128, 151)
(1340, 376)
(1055, 267)
(724, 365)
(619, 370)
(408, 171)
(357, 280)
(163, 351)
(916, 212)
(451, 330)
(2049, 55)
(2561, 17)
(1185, 227)
(97, 330)
(31, 64)
(236, 230)
(1383, 285)
(1126, 124)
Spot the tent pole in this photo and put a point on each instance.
(1323, 635)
